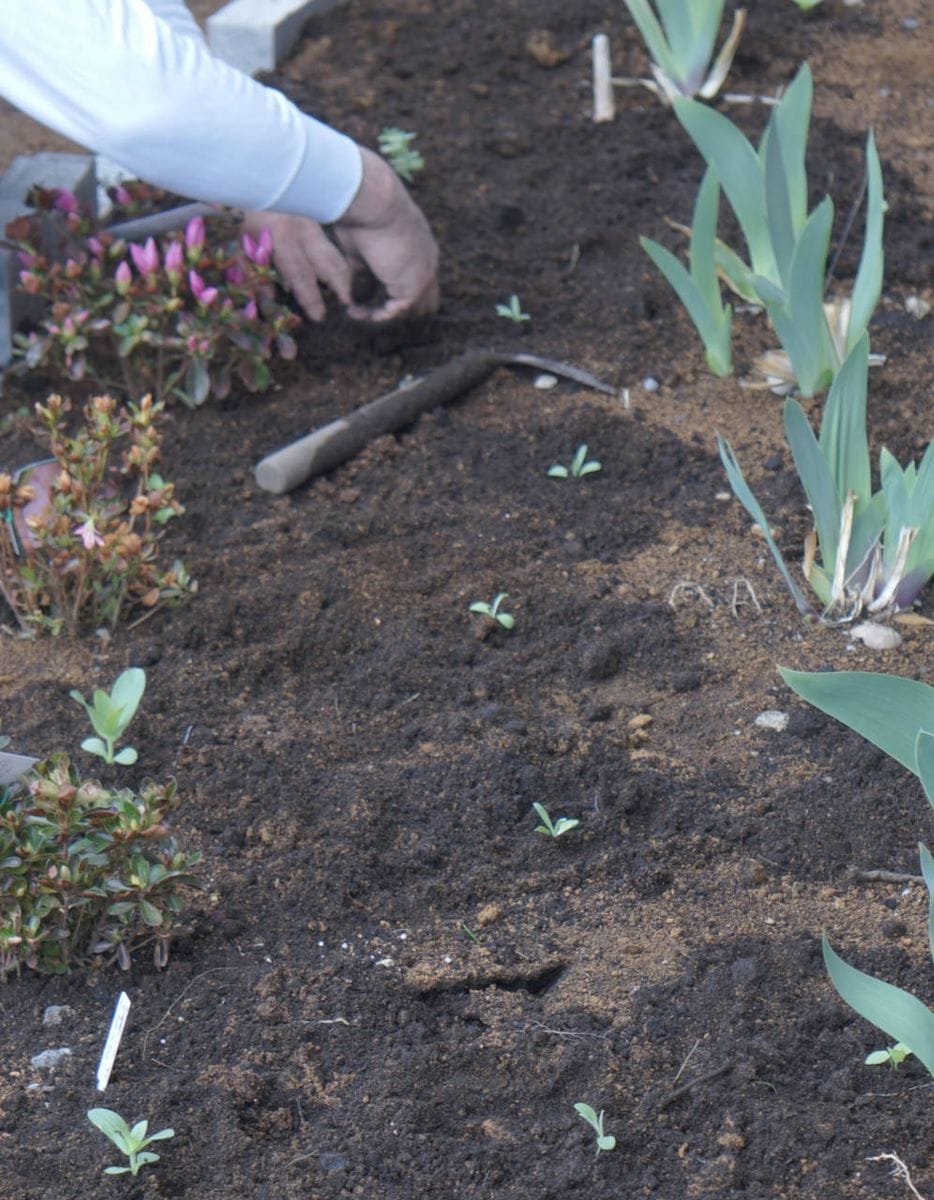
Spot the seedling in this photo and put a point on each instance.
(681, 45)
(111, 714)
(553, 829)
(395, 147)
(605, 1141)
(131, 1142)
(871, 551)
(493, 612)
(580, 466)
(512, 310)
(894, 1056)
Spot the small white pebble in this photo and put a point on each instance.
(876, 637)
(649, 384)
(723, 496)
(772, 718)
(385, 962)
(545, 382)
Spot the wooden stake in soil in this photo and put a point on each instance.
(114, 1034)
(604, 102)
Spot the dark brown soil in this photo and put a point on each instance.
(394, 988)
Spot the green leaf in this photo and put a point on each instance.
(899, 1014)
(127, 693)
(745, 496)
(126, 757)
(927, 870)
(868, 286)
(739, 171)
(95, 746)
(888, 710)
(790, 121)
(843, 439)
(816, 479)
(654, 38)
(150, 913)
(713, 327)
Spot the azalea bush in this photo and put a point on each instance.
(87, 873)
(78, 546)
(178, 316)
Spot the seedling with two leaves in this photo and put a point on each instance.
(512, 310)
(897, 715)
(787, 246)
(869, 551)
(550, 828)
(131, 1142)
(579, 466)
(681, 40)
(111, 714)
(494, 611)
(605, 1141)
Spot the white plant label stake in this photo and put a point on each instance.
(111, 1046)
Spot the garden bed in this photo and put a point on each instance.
(394, 987)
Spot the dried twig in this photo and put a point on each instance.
(686, 1087)
(858, 875)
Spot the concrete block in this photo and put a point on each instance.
(72, 171)
(255, 35)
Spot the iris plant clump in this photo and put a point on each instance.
(870, 551)
(787, 245)
(175, 317)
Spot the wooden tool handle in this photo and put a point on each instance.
(334, 443)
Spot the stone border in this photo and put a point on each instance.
(255, 35)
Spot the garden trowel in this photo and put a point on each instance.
(12, 766)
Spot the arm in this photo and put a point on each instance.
(134, 80)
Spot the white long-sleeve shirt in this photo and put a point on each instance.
(135, 81)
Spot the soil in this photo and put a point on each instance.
(394, 987)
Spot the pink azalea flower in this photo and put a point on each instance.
(260, 251)
(203, 294)
(174, 261)
(122, 196)
(194, 233)
(88, 534)
(64, 200)
(145, 258)
(250, 311)
(123, 277)
(96, 246)
(234, 274)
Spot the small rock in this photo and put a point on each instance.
(650, 384)
(876, 637)
(545, 382)
(48, 1060)
(772, 718)
(57, 1014)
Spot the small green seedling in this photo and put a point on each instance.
(605, 1141)
(131, 1142)
(580, 466)
(395, 147)
(512, 310)
(110, 715)
(553, 829)
(894, 1056)
(507, 620)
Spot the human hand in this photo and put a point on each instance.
(305, 257)
(386, 230)
(382, 229)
